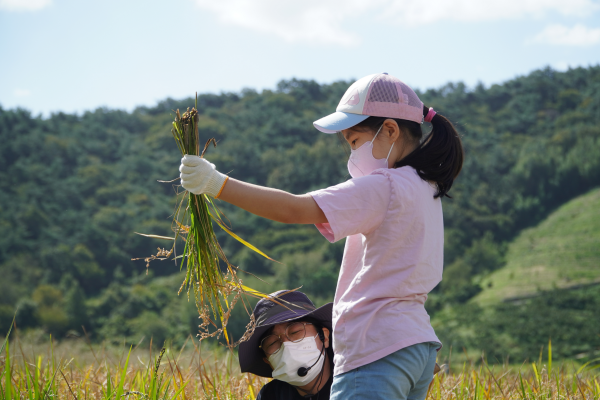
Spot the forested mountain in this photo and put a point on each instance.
(74, 188)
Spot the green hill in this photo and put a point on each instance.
(562, 251)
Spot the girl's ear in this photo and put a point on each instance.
(326, 334)
(391, 129)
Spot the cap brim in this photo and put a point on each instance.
(251, 356)
(338, 121)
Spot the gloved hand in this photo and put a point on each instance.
(199, 176)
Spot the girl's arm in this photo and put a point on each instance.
(200, 176)
(273, 204)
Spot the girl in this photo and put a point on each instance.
(391, 214)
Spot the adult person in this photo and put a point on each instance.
(291, 343)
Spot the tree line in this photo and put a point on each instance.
(74, 188)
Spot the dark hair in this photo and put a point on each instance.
(438, 158)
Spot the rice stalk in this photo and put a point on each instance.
(210, 277)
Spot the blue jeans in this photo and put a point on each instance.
(403, 375)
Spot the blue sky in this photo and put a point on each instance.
(76, 55)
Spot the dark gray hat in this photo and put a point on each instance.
(267, 313)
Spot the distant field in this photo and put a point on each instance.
(562, 251)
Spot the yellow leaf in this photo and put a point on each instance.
(239, 239)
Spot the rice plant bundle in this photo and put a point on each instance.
(209, 275)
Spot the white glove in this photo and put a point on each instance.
(199, 176)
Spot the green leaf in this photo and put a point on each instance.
(8, 334)
(549, 356)
(123, 376)
(7, 373)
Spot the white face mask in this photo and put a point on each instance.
(292, 356)
(362, 162)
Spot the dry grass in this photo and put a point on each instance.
(74, 370)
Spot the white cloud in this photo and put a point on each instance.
(24, 5)
(579, 35)
(416, 12)
(22, 92)
(333, 21)
(298, 21)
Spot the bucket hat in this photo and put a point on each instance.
(376, 95)
(288, 306)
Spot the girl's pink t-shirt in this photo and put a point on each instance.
(393, 258)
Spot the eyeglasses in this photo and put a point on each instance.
(295, 332)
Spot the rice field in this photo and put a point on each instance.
(73, 369)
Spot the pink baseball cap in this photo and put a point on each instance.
(377, 95)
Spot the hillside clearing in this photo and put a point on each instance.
(562, 251)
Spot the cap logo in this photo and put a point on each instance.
(352, 98)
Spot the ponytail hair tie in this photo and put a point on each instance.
(430, 114)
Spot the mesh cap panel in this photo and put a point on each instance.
(390, 97)
(413, 99)
(383, 90)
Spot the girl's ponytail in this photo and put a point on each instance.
(438, 158)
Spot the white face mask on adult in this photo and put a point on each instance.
(292, 356)
(362, 162)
